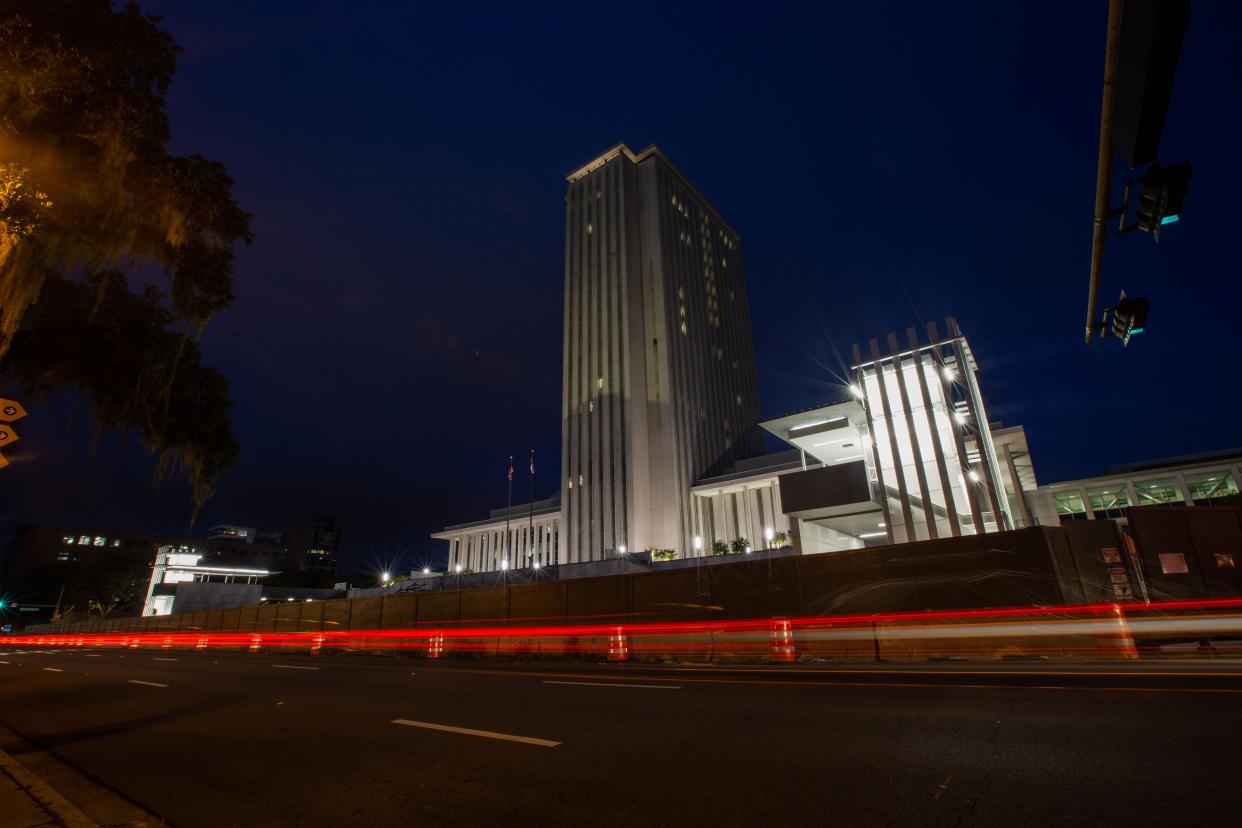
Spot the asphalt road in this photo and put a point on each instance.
(237, 739)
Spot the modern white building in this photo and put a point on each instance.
(178, 565)
(902, 458)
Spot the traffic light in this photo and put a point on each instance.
(1163, 190)
(1129, 318)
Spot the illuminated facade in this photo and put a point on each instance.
(178, 565)
(659, 371)
(907, 455)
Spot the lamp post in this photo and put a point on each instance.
(768, 534)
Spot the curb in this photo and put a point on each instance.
(61, 809)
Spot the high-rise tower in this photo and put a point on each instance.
(659, 366)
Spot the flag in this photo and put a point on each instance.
(532, 462)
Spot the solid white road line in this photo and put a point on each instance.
(3, 662)
(147, 683)
(609, 684)
(486, 734)
(292, 667)
(93, 655)
(163, 659)
(53, 669)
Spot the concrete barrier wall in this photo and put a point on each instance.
(1042, 566)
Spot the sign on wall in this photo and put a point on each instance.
(1173, 563)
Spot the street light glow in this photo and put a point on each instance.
(426, 570)
(698, 542)
(458, 569)
(504, 564)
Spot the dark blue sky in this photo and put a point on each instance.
(397, 331)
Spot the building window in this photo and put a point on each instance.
(1213, 489)
(1158, 492)
(590, 229)
(84, 540)
(99, 541)
(116, 542)
(1069, 506)
(68, 540)
(1109, 501)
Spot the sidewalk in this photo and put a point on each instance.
(27, 801)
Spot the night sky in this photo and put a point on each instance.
(397, 330)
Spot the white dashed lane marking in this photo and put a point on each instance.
(610, 684)
(486, 734)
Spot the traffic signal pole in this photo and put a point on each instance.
(1104, 172)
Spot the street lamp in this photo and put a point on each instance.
(536, 564)
(698, 543)
(768, 534)
(385, 577)
(621, 549)
(426, 570)
(504, 564)
(458, 569)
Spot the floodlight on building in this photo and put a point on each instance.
(748, 550)
(458, 569)
(536, 564)
(698, 542)
(384, 577)
(621, 549)
(426, 570)
(856, 391)
(959, 417)
(949, 373)
(288, 599)
(973, 475)
(504, 564)
(769, 533)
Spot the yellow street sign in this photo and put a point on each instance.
(10, 410)
(7, 435)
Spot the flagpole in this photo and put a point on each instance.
(508, 512)
(530, 533)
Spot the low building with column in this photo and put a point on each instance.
(1210, 479)
(517, 537)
